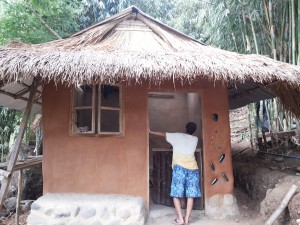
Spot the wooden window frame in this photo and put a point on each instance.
(98, 106)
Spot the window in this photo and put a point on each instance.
(97, 109)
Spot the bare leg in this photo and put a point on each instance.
(178, 209)
(189, 207)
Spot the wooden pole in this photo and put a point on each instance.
(282, 205)
(16, 148)
(250, 125)
(19, 197)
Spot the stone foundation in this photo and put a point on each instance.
(221, 206)
(77, 209)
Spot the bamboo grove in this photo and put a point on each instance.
(267, 27)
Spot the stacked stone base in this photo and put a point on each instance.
(221, 206)
(76, 209)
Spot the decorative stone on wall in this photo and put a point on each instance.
(80, 209)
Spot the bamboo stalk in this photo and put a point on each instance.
(290, 32)
(275, 120)
(272, 30)
(232, 33)
(282, 31)
(298, 29)
(286, 33)
(262, 122)
(254, 35)
(293, 32)
(267, 14)
(255, 123)
(268, 109)
(247, 45)
(250, 125)
(282, 205)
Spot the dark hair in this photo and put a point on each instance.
(191, 128)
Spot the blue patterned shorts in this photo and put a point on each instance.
(185, 183)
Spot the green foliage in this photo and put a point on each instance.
(19, 23)
(9, 122)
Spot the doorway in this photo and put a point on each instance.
(169, 112)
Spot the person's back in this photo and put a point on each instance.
(184, 147)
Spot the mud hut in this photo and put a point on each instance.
(97, 87)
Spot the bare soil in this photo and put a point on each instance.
(11, 219)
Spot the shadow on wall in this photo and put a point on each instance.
(169, 112)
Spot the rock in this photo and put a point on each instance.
(95, 222)
(48, 212)
(274, 168)
(123, 214)
(298, 169)
(32, 183)
(33, 219)
(220, 207)
(215, 200)
(228, 199)
(279, 159)
(12, 191)
(4, 213)
(61, 212)
(87, 213)
(76, 222)
(57, 223)
(10, 204)
(35, 206)
(115, 223)
(104, 213)
(78, 209)
(26, 205)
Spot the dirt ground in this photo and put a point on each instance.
(11, 219)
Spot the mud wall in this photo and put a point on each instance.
(119, 164)
(217, 162)
(216, 141)
(91, 164)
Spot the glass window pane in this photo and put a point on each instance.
(110, 96)
(83, 95)
(110, 121)
(83, 121)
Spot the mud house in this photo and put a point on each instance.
(105, 85)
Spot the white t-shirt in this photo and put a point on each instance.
(184, 146)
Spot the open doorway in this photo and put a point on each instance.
(169, 112)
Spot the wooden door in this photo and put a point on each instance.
(162, 178)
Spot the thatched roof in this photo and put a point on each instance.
(134, 47)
